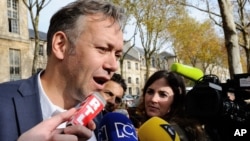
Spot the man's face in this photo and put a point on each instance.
(93, 60)
(112, 93)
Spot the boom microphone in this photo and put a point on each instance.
(88, 109)
(187, 71)
(116, 127)
(157, 129)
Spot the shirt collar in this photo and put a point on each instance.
(48, 108)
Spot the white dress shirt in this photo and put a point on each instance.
(49, 109)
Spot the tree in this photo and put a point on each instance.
(34, 8)
(231, 38)
(152, 18)
(243, 26)
(197, 43)
(234, 24)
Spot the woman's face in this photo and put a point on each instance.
(158, 98)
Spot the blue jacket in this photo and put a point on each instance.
(20, 107)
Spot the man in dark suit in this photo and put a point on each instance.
(84, 42)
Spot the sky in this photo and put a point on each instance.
(48, 11)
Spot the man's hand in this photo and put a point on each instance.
(47, 130)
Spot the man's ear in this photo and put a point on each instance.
(59, 44)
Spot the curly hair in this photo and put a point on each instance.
(118, 79)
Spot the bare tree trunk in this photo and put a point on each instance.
(34, 8)
(247, 50)
(231, 38)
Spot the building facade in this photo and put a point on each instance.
(134, 67)
(17, 42)
(15, 58)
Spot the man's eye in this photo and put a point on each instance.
(103, 49)
(118, 100)
(109, 94)
(118, 56)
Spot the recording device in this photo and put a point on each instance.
(87, 109)
(221, 107)
(116, 127)
(157, 129)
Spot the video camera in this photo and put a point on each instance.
(220, 107)
(209, 99)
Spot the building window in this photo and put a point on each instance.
(129, 65)
(130, 90)
(137, 80)
(136, 66)
(143, 62)
(129, 79)
(15, 65)
(12, 6)
(41, 50)
(137, 91)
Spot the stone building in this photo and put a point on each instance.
(42, 52)
(134, 68)
(17, 42)
(15, 58)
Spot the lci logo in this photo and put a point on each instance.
(240, 132)
(117, 131)
(125, 130)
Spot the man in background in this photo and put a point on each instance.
(113, 92)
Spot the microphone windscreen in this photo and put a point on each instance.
(116, 127)
(157, 129)
(88, 109)
(187, 71)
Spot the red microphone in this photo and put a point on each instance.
(87, 110)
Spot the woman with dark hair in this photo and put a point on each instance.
(164, 96)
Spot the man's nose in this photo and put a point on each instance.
(111, 63)
(112, 100)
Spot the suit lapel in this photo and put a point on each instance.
(28, 112)
(28, 105)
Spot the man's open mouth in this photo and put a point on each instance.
(100, 80)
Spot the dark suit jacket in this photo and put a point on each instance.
(20, 107)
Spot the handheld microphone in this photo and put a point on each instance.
(187, 71)
(87, 110)
(116, 127)
(157, 129)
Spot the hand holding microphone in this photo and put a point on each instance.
(157, 129)
(116, 127)
(47, 130)
(81, 117)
